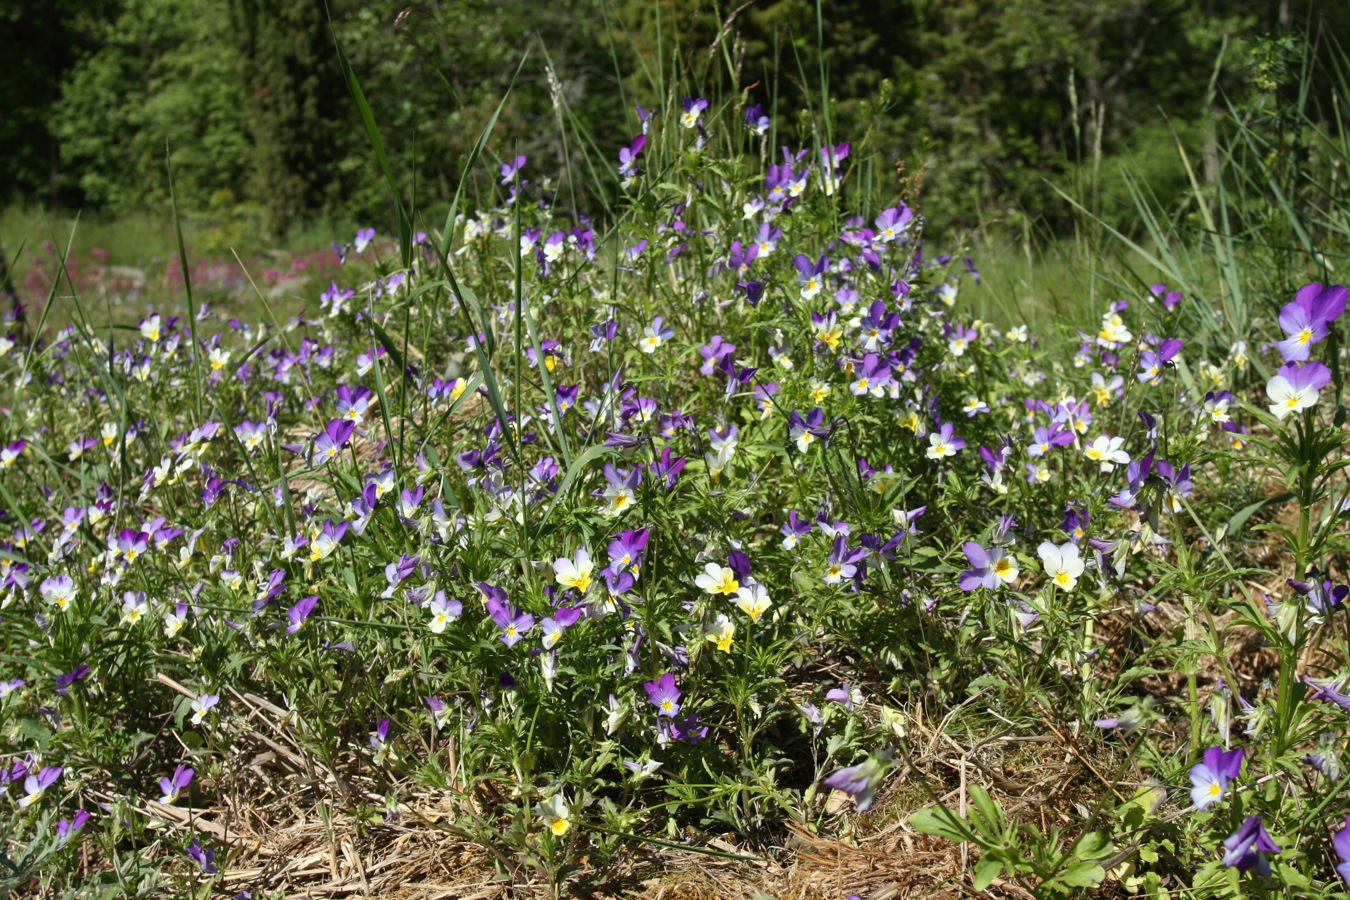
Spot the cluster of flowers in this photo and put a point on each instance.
(737, 429)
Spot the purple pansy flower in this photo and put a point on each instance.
(299, 614)
(664, 695)
(1246, 847)
(171, 787)
(1306, 317)
(1212, 775)
(512, 622)
(989, 568)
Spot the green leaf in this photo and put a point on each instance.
(941, 822)
(1093, 845)
(986, 870)
(1083, 874)
(1239, 518)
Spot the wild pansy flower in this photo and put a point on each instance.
(326, 541)
(1320, 598)
(721, 631)
(861, 781)
(134, 607)
(811, 275)
(408, 502)
(513, 623)
(1044, 438)
(906, 519)
(203, 705)
(628, 159)
(68, 828)
(625, 551)
(1062, 564)
(1295, 387)
(557, 818)
(892, 224)
(1105, 391)
(379, 742)
(1211, 776)
(793, 530)
(575, 572)
(395, 573)
(944, 442)
(1306, 317)
(35, 786)
(352, 405)
(1341, 841)
(440, 711)
(171, 787)
(712, 352)
(511, 169)
(826, 329)
(442, 610)
(1107, 451)
(329, 442)
(251, 435)
(9, 687)
(1331, 691)
(562, 619)
(1151, 364)
(756, 120)
(150, 328)
(364, 237)
(974, 406)
(1217, 406)
(753, 600)
(205, 858)
(805, 431)
(873, 377)
(11, 453)
(1245, 849)
(841, 563)
(66, 680)
(335, 299)
(620, 490)
(175, 617)
(877, 326)
(59, 591)
(1113, 331)
(643, 768)
(693, 110)
(989, 568)
(1075, 524)
(831, 158)
(664, 695)
(1168, 298)
(299, 614)
(667, 469)
(654, 335)
(959, 338)
(717, 580)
